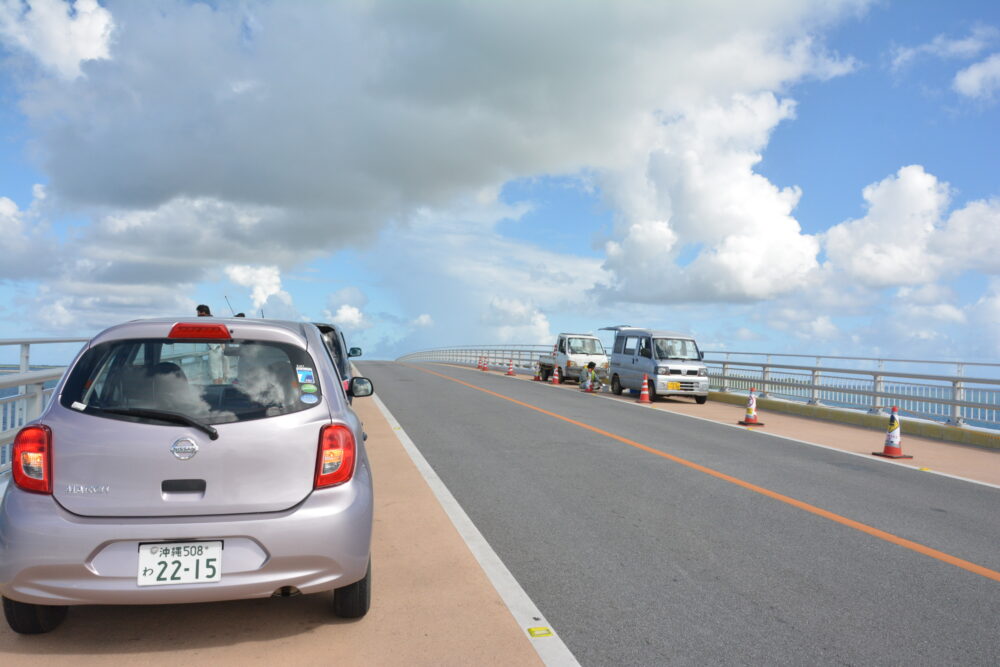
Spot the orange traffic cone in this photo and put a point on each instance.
(486, 364)
(644, 394)
(751, 416)
(555, 376)
(893, 446)
(510, 368)
(538, 373)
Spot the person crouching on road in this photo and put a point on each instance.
(589, 380)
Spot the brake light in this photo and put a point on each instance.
(200, 331)
(335, 461)
(31, 462)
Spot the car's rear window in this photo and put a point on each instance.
(211, 381)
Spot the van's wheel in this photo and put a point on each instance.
(545, 374)
(353, 601)
(700, 400)
(652, 390)
(32, 619)
(616, 385)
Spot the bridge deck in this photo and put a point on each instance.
(432, 603)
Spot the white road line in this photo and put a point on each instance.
(540, 633)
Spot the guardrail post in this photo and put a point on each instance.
(814, 389)
(725, 375)
(878, 384)
(958, 395)
(765, 379)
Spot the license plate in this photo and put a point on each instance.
(166, 563)
(673, 386)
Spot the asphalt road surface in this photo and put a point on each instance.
(652, 538)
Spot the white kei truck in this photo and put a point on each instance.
(571, 354)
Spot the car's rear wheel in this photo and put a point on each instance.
(354, 600)
(545, 374)
(616, 385)
(32, 619)
(700, 400)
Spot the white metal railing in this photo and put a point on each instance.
(501, 356)
(23, 391)
(868, 383)
(856, 383)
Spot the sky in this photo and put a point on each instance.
(782, 176)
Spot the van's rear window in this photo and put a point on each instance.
(214, 382)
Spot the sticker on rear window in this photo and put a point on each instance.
(308, 388)
(309, 399)
(77, 405)
(305, 374)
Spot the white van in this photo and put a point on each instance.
(670, 361)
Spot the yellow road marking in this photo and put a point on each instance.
(818, 511)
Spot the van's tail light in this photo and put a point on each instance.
(335, 462)
(32, 459)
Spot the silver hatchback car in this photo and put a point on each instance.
(189, 461)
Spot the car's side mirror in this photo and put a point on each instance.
(354, 352)
(360, 387)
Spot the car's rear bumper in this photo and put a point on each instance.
(50, 556)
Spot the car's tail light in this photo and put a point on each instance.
(200, 331)
(335, 462)
(32, 459)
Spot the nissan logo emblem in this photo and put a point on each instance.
(184, 449)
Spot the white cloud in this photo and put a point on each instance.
(351, 296)
(286, 130)
(980, 38)
(60, 35)
(423, 320)
(971, 239)
(516, 321)
(264, 281)
(981, 80)
(698, 194)
(350, 318)
(27, 250)
(892, 244)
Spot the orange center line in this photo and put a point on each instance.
(818, 511)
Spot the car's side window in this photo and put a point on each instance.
(630, 344)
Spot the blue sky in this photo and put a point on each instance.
(781, 176)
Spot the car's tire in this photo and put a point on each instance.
(616, 385)
(354, 600)
(32, 619)
(545, 374)
(652, 390)
(700, 400)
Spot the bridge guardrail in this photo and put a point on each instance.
(29, 395)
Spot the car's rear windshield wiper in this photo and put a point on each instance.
(164, 415)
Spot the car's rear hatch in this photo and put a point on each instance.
(124, 468)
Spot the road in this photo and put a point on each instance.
(650, 538)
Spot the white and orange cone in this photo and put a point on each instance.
(510, 368)
(893, 442)
(555, 376)
(644, 393)
(750, 419)
(486, 364)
